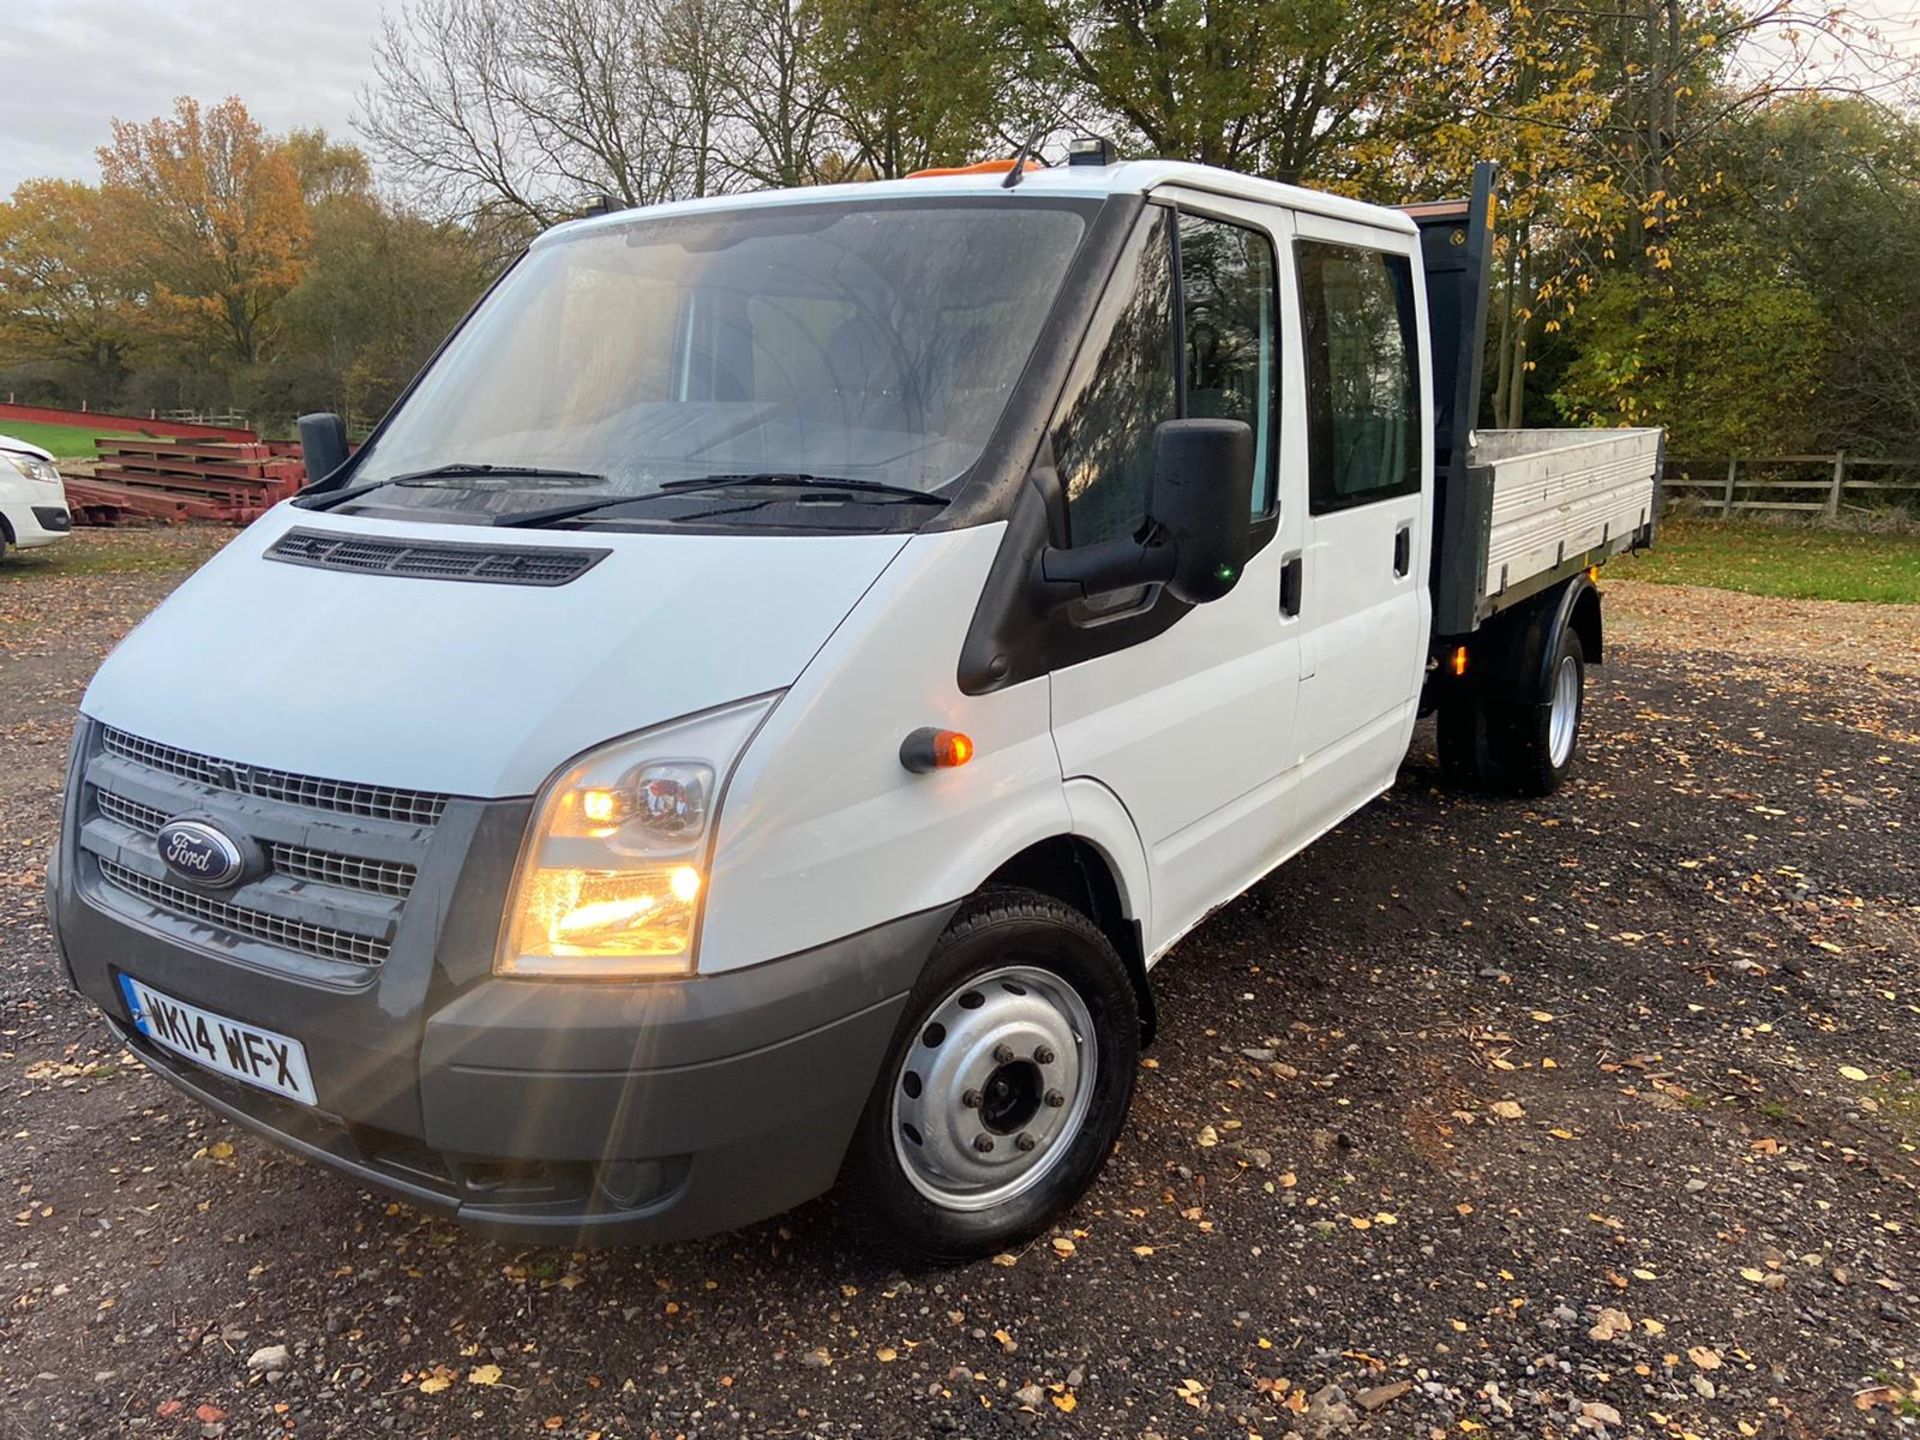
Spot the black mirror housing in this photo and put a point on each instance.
(323, 444)
(1202, 502)
(1198, 529)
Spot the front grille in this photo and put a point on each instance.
(131, 813)
(297, 862)
(316, 940)
(378, 877)
(543, 565)
(376, 802)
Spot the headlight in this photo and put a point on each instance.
(613, 874)
(32, 466)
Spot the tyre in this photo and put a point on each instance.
(1007, 1084)
(1535, 740)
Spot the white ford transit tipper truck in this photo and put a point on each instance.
(763, 701)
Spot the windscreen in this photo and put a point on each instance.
(877, 343)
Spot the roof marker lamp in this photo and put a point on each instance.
(612, 877)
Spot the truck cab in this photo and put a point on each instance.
(762, 703)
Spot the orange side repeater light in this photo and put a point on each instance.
(930, 749)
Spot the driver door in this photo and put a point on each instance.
(1184, 712)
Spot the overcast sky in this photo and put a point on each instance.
(68, 66)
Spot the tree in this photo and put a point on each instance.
(1725, 354)
(327, 169)
(915, 83)
(526, 107)
(382, 291)
(774, 94)
(1283, 90)
(1825, 193)
(212, 213)
(66, 294)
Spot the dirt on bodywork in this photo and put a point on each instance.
(1594, 1116)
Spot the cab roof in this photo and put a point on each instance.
(1086, 182)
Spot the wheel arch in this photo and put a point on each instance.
(1075, 871)
(1585, 621)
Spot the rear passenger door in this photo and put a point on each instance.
(1364, 600)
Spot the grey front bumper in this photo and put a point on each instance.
(570, 1113)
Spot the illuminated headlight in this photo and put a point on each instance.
(613, 876)
(32, 466)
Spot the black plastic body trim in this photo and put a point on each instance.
(539, 565)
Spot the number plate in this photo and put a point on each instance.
(272, 1062)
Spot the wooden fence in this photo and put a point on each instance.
(1812, 484)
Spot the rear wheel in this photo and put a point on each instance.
(1537, 737)
(1008, 1082)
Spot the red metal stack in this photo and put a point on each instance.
(171, 480)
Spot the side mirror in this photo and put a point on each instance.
(323, 444)
(1202, 500)
(1198, 526)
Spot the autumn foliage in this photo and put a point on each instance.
(211, 212)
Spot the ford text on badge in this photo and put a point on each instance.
(200, 853)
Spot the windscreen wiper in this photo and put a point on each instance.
(778, 479)
(454, 472)
(799, 481)
(463, 470)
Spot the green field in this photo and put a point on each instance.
(1780, 560)
(63, 442)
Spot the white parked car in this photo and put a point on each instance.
(33, 501)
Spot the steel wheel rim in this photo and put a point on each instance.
(1565, 717)
(1009, 1057)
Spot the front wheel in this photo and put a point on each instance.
(1007, 1083)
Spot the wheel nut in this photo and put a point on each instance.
(1055, 1099)
(1043, 1055)
(971, 1099)
(1024, 1141)
(983, 1143)
(1003, 1054)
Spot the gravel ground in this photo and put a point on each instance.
(1595, 1117)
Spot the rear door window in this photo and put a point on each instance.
(1363, 375)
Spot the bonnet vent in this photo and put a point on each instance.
(435, 559)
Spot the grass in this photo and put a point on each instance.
(1793, 563)
(63, 442)
(157, 550)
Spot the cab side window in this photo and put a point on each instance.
(1215, 358)
(1120, 391)
(1227, 313)
(1363, 378)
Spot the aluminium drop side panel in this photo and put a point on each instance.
(823, 833)
(1557, 498)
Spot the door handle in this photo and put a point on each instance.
(1290, 575)
(1402, 551)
